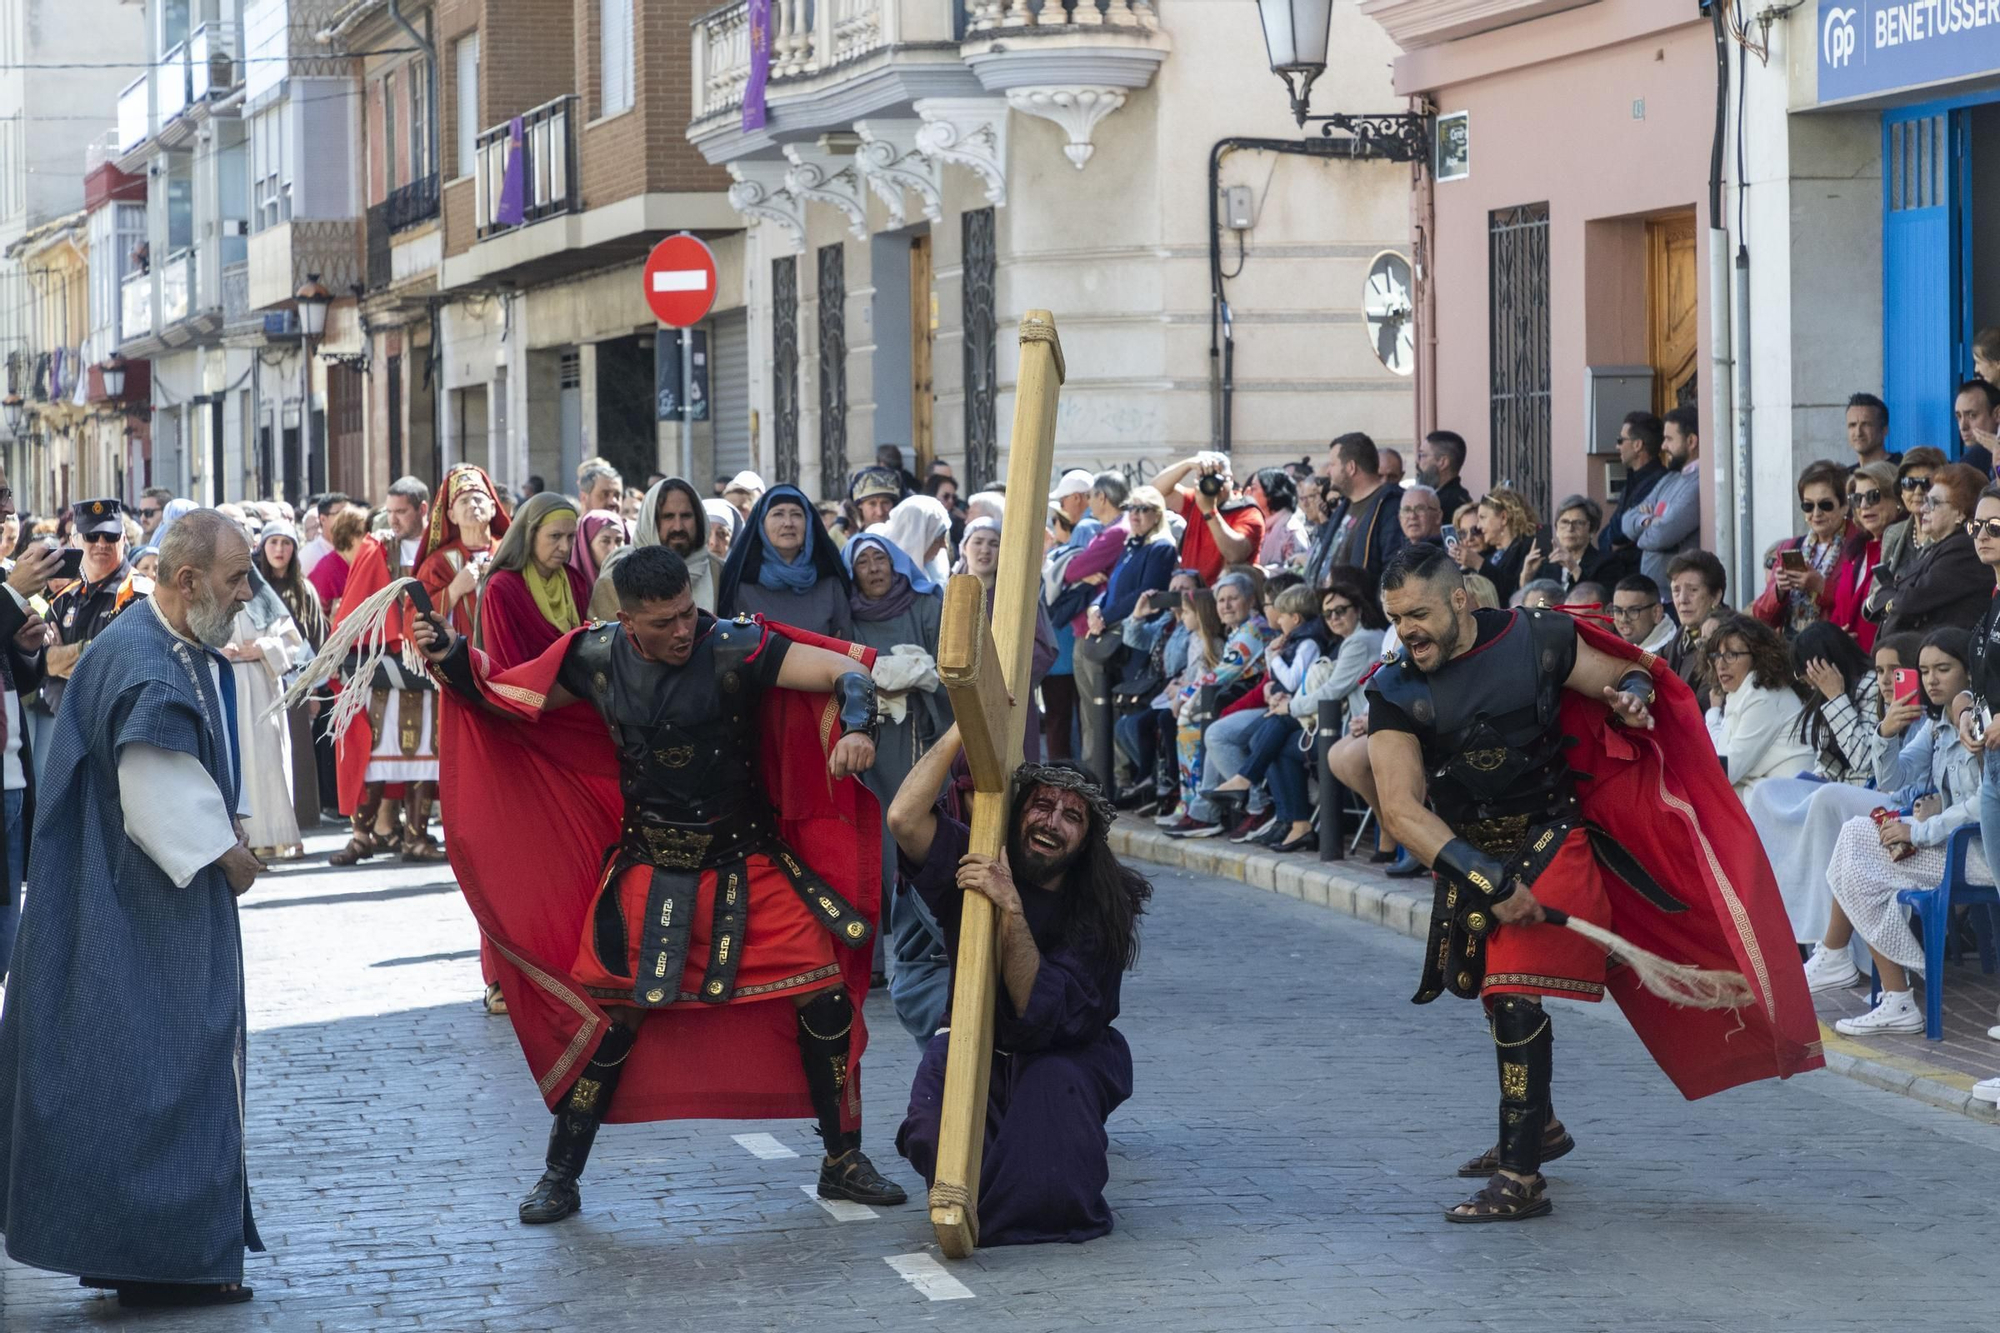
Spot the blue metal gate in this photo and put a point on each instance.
(1925, 274)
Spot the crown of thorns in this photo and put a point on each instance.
(1064, 778)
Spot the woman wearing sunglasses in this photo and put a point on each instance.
(1874, 505)
(1942, 583)
(1805, 570)
(1904, 537)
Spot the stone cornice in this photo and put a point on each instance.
(890, 162)
(760, 193)
(826, 178)
(970, 132)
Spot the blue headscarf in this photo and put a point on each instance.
(751, 559)
(906, 583)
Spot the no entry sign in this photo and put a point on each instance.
(680, 280)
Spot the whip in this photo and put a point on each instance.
(366, 631)
(1694, 987)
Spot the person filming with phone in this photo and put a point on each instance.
(87, 598)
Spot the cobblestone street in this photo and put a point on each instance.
(1283, 1164)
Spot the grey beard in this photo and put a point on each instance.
(1427, 477)
(211, 620)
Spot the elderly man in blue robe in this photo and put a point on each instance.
(1068, 928)
(122, 1043)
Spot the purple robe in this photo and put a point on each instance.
(1059, 1070)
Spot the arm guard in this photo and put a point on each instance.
(1640, 682)
(1465, 864)
(855, 693)
(455, 672)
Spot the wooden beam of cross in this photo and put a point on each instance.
(985, 670)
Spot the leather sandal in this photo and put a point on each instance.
(360, 846)
(853, 1177)
(421, 848)
(1504, 1199)
(1556, 1142)
(495, 1003)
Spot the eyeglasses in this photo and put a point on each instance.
(106, 537)
(1631, 612)
(1336, 610)
(1990, 529)
(1818, 506)
(1730, 654)
(1927, 504)
(1572, 525)
(1915, 482)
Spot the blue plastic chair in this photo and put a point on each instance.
(1933, 910)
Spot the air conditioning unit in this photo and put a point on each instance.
(221, 71)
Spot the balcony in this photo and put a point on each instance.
(284, 258)
(135, 308)
(134, 115)
(171, 83)
(176, 288)
(530, 175)
(211, 62)
(1417, 23)
(836, 62)
(409, 205)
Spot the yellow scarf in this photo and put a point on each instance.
(552, 596)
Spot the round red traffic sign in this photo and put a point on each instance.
(680, 280)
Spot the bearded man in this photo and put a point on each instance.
(121, 1046)
(1565, 767)
(1068, 928)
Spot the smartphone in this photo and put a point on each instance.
(1450, 540)
(1904, 686)
(1170, 600)
(1793, 560)
(71, 564)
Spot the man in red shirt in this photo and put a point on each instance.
(1224, 527)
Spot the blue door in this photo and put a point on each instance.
(1924, 302)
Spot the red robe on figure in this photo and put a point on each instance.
(532, 810)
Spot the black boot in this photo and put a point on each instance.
(1526, 1052)
(555, 1196)
(846, 1173)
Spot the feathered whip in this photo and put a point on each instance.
(1682, 983)
(365, 631)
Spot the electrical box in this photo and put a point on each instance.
(1609, 393)
(1239, 208)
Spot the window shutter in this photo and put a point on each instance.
(615, 46)
(467, 101)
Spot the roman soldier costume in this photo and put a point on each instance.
(1543, 790)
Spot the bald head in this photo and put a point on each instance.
(204, 576)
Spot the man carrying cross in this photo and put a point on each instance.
(1068, 928)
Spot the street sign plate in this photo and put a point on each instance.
(679, 281)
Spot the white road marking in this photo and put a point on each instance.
(843, 1210)
(927, 1275)
(764, 1146)
(681, 280)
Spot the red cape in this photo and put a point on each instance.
(1662, 795)
(531, 811)
(367, 575)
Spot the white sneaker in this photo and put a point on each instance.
(1993, 1034)
(1988, 1091)
(1171, 817)
(1830, 969)
(1898, 1011)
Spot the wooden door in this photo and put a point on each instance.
(923, 326)
(1672, 310)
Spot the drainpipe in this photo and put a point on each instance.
(1729, 452)
(423, 44)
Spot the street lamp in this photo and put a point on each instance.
(112, 369)
(312, 299)
(17, 409)
(1296, 36)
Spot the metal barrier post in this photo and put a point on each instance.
(1332, 795)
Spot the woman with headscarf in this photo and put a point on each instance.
(277, 559)
(979, 555)
(266, 648)
(786, 568)
(670, 515)
(920, 525)
(465, 523)
(723, 524)
(600, 535)
(896, 609)
(533, 593)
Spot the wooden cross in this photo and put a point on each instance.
(985, 670)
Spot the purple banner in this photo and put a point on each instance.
(760, 63)
(514, 179)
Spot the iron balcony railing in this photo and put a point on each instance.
(526, 168)
(411, 204)
(381, 250)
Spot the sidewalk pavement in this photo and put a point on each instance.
(1940, 1073)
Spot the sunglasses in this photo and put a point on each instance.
(148, 513)
(105, 537)
(1989, 529)
(1818, 506)
(1339, 609)
(1914, 482)
(1865, 497)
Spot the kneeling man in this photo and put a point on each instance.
(1068, 928)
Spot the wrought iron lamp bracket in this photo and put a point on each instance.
(1392, 136)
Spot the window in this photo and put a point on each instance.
(466, 54)
(614, 48)
(390, 85)
(420, 121)
(271, 166)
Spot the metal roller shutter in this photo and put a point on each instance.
(729, 390)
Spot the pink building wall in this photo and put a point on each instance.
(1551, 103)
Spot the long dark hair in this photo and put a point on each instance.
(1954, 643)
(1102, 898)
(1769, 661)
(1826, 642)
(294, 589)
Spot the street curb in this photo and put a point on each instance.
(1328, 884)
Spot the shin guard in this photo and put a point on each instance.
(583, 1108)
(1526, 1050)
(825, 1026)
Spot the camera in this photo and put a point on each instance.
(1212, 483)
